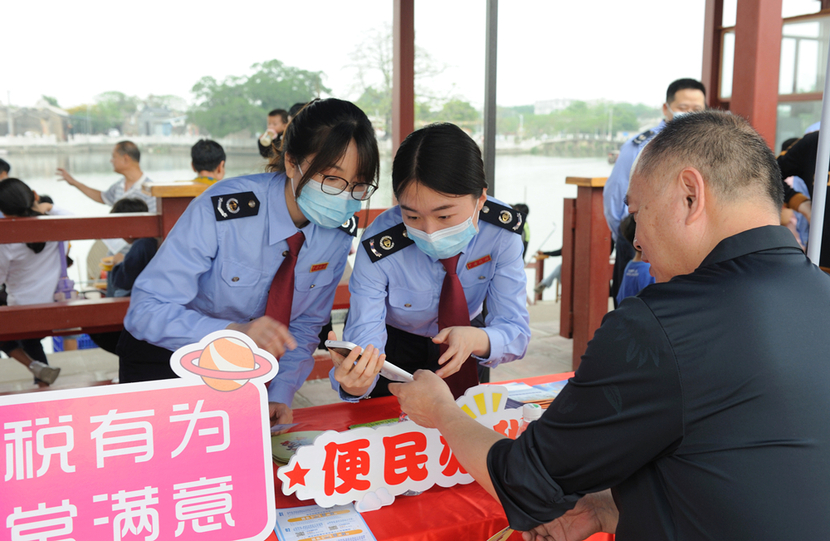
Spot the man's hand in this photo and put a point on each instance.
(423, 398)
(281, 414)
(64, 174)
(356, 376)
(268, 333)
(806, 208)
(117, 258)
(461, 343)
(593, 513)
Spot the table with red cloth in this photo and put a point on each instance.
(438, 514)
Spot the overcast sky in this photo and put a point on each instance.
(599, 49)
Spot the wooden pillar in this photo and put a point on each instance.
(757, 55)
(173, 199)
(403, 71)
(710, 77)
(585, 264)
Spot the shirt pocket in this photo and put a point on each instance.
(235, 274)
(409, 300)
(310, 281)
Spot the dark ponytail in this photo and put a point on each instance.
(17, 200)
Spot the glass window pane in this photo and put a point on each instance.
(804, 56)
(794, 8)
(727, 64)
(786, 74)
(794, 118)
(730, 11)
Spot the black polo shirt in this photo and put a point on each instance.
(703, 403)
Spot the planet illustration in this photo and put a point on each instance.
(226, 364)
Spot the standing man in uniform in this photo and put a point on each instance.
(683, 96)
(125, 158)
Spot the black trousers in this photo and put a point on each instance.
(141, 361)
(413, 352)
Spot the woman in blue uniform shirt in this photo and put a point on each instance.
(396, 285)
(215, 269)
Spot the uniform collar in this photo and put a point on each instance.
(769, 237)
(280, 224)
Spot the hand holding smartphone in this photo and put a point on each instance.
(389, 370)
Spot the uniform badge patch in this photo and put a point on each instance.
(478, 262)
(319, 266)
(234, 205)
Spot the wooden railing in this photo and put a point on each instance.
(106, 314)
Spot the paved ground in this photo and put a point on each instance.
(548, 353)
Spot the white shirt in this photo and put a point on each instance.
(117, 191)
(30, 278)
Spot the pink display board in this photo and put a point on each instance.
(170, 459)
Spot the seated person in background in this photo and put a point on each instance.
(125, 268)
(208, 161)
(277, 121)
(692, 403)
(31, 272)
(125, 158)
(636, 275)
(555, 275)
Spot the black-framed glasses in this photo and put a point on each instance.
(335, 186)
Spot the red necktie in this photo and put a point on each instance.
(453, 312)
(281, 294)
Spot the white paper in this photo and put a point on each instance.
(313, 522)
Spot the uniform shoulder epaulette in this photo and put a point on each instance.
(387, 242)
(350, 226)
(235, 205)
(643, 137)
(502, 216)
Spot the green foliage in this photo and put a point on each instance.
(579, 118)
(242, 102)
(458, 112)
(50, 100)
(110, 111)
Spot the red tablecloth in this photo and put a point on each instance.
(459, 512)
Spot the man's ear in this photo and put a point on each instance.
(693, 188)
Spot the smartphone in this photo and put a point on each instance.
(389, 370)
(341, 348)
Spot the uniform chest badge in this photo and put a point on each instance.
(479, 262)
(319, 266)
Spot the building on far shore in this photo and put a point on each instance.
(42, 119)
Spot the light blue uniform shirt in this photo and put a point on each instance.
(209, 273)
(613, 194)
(403, 290)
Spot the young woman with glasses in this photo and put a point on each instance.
(218, 268)
(426, 268)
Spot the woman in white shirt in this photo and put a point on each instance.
(31, 272)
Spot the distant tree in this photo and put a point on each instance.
(459, 112)
(50, 100)
(372, 59)
(166, 101)
(242, 102)
(111, 110)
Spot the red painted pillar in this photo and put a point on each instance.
(586, 271)
(710, 77)
(403, 71)
(757, 55)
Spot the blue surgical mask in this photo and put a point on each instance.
(446, 242)
(325, 210)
